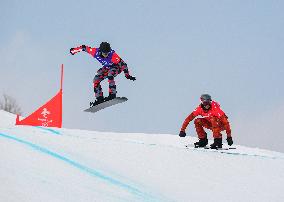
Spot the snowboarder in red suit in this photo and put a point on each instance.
(112, 66)
(213, 118)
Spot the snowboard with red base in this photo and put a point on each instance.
(106, 104)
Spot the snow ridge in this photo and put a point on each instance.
(95, 173)
(51, 164)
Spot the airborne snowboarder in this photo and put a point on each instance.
(112, 66)
(213, 118)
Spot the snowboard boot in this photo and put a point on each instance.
(110, 97)
(217, 143)
(201, 143)
(98, 101)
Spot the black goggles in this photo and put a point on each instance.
(205, 102)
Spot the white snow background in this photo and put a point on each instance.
(43, 164)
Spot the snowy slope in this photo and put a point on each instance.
(40, 164)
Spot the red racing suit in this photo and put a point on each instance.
(214, 119)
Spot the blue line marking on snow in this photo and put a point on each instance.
(92, 172)
(49, 130)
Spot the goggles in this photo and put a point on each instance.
(205, 102)
(105, 54)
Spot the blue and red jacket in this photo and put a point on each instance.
(111, 59)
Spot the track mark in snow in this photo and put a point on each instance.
(227, 152)
(92, 172)
(49, 130)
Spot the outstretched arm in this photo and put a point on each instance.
(186, 121)
(85, 48)
(75, 50)
(123, 66)
(126, 73)
(226, 124)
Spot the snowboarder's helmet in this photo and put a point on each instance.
(105, 47)
(205, 97)
(205, 101)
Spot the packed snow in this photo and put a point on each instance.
(51, 164)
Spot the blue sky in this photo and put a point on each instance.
(178, 50)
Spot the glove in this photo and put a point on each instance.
(182, 134)
(83, 48)
(132, 78)
(230, 141)
(71, 51)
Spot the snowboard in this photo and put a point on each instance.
(106, 104)
(223, 148)
(207, 147)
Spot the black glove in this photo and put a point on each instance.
(71, 49)
(230, 141)
(83, 48)
(182, 134)
(132, 78)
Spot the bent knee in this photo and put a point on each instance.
(198, 121)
